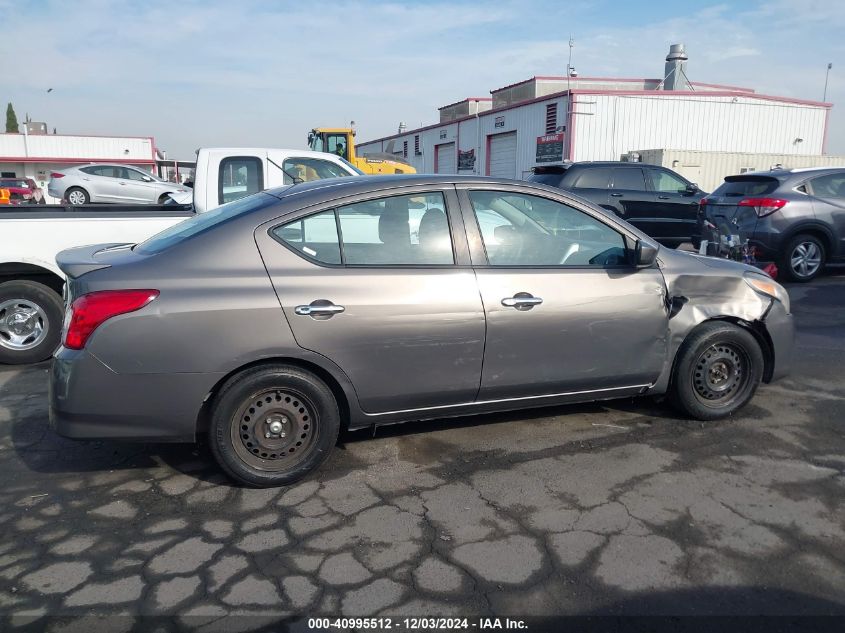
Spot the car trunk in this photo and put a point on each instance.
(724, 211)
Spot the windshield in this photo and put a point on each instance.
(203, 222)
(546, 179)
(741, 186)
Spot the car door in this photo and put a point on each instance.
(99, 182)
(399, 314)
(631, 199)
(675, 215)
(566, 312)
(135, 188)
(828, 196)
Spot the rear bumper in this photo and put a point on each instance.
(781, 331)
(90, 401)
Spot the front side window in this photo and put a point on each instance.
(134, 174)
(665, 182)
(308, 169)
(593, 179)
(829, 186)
(630, 178)
(523, 230)
(239, 176)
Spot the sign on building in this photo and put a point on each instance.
(549, 148)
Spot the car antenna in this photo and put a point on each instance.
(296, 179)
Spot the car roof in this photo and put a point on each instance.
(790, 174)
(285, 150)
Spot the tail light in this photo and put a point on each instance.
(702, 202)
(763, 206)
(90, 311)
(56, 174)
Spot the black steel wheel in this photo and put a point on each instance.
(272, 425)
(717, 370)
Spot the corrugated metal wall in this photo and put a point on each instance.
(618, 124)
(709, 169)
(83, 147)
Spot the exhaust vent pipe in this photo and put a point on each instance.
(675, 73)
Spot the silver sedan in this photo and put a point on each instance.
(110, 183)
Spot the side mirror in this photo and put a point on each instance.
(146, 179)
(646, 253)
(692, 187)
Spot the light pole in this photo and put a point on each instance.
(826, 76)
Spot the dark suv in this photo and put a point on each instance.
(656, 200)
(793, 217)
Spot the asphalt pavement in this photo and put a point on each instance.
(613, 508)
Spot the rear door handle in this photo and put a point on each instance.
(616, 194)
(522, 301)
(662, 197)
(320, 307)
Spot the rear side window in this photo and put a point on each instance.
(314, 236)
(829, 186)
(630, 178)
(742, 186)
(239, 176)
(593, 179)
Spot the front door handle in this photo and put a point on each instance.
(616, 194)
(662, 197)
(319, 308)
(522, 301)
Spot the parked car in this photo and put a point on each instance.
(274, 321)
(658, 201)
(793, 217)
(22, 190)
(110, 183)
(30, 282)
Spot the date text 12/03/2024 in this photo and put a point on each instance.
(415, 624)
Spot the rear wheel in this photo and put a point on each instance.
(30, 322)
(273, 425)
(77, 196)
(717, 371)
(804, 258)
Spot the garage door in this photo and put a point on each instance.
(502, 158)
(445, 162)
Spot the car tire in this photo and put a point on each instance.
(162, 199)
(77, 196)
(273, 425)
(803, 258)
(35, 328)
(717, 371)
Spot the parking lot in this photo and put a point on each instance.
(608, 508)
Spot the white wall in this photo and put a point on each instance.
(621, 123)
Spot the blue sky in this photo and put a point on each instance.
(210, 73)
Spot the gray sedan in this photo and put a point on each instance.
(274, 321)
(110, 183)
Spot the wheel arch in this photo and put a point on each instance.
(340, 394)
(817, 230)
(23, 271)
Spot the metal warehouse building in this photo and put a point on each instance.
(549, 120)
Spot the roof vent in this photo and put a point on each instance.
(675, 75)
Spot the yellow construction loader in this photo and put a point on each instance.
(341, 141)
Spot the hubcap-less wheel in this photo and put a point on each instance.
(273, 430)
(805, 259)
(23, 324)
(719, 374)
(76, 197)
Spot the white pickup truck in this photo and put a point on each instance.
(31, 309)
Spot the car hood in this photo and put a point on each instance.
(684, 261)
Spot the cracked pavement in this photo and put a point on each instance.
(616, 507)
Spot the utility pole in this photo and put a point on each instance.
(826, 77)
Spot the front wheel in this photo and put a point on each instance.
(30, 322)
(717, 371)
(272, 425)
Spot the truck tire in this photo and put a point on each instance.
(30, 322)
(77, 196)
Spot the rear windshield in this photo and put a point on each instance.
(741, 186)
(203, 222)
(546, 179)
(20, 184)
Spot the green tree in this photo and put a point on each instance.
(11, 119)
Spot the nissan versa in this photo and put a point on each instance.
(276, 320)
